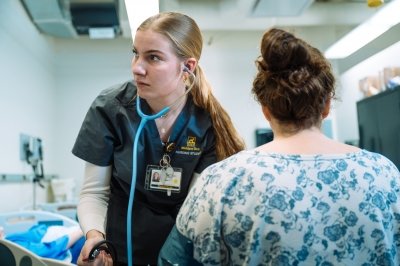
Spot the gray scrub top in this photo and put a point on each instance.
(106, 138)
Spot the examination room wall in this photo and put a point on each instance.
(48, 85)
(26, 102)
(84, 68)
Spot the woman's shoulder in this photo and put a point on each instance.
(198, 118)
(198, 111)
(118, 94)
(123, 93)
(376, 159)
(240, 160)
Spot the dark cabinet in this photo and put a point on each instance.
(379, 124)
(263, 135)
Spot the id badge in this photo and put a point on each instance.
(166, 179)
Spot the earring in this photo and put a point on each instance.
(185, 80)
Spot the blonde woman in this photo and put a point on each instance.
(195, 133)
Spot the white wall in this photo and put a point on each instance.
(228, 62)
(26, 102)
(83, 69)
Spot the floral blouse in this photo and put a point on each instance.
(258, 208)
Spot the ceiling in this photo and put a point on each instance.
(324, 20)
(237, 14)
(213, 15)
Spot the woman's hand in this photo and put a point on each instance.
(103, 258)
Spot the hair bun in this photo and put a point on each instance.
(283, 51)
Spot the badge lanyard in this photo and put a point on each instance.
(165, 162)
(143, 121)
(167, 171)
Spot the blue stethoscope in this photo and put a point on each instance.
(143, 121)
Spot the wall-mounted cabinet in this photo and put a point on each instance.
(379, 124)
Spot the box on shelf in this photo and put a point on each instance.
(388, 78)
(369, 85)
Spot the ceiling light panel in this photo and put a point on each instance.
(279, 8)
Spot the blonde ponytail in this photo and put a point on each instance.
(228, 141)
(186, 38)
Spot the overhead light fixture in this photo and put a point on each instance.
(101, 33)
(281, 8)
(385, 18)
(138, 11)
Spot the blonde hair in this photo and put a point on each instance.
(187, 40)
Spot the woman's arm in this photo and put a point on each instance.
(93, 201)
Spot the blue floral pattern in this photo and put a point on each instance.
(259, 208)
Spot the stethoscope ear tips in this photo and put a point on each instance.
(187, 70)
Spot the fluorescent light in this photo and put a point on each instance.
(283, 8)
(138, 11)
(102, 33)
(387, 17)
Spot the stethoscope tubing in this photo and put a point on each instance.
(143, 121)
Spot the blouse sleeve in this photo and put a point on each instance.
(184, 240)
(92, 207)
(177, 250)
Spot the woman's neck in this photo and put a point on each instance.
(308, 141)
(165, 123)
(174, 99)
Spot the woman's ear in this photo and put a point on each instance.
(266, 112)
(190, 64)
(327, 109)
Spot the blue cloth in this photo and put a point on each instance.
(258, 208)
(32, 238)
(76, 249)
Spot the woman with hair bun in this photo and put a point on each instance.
(301, 199)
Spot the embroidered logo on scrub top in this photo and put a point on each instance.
(190, 148)
(191, 142)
